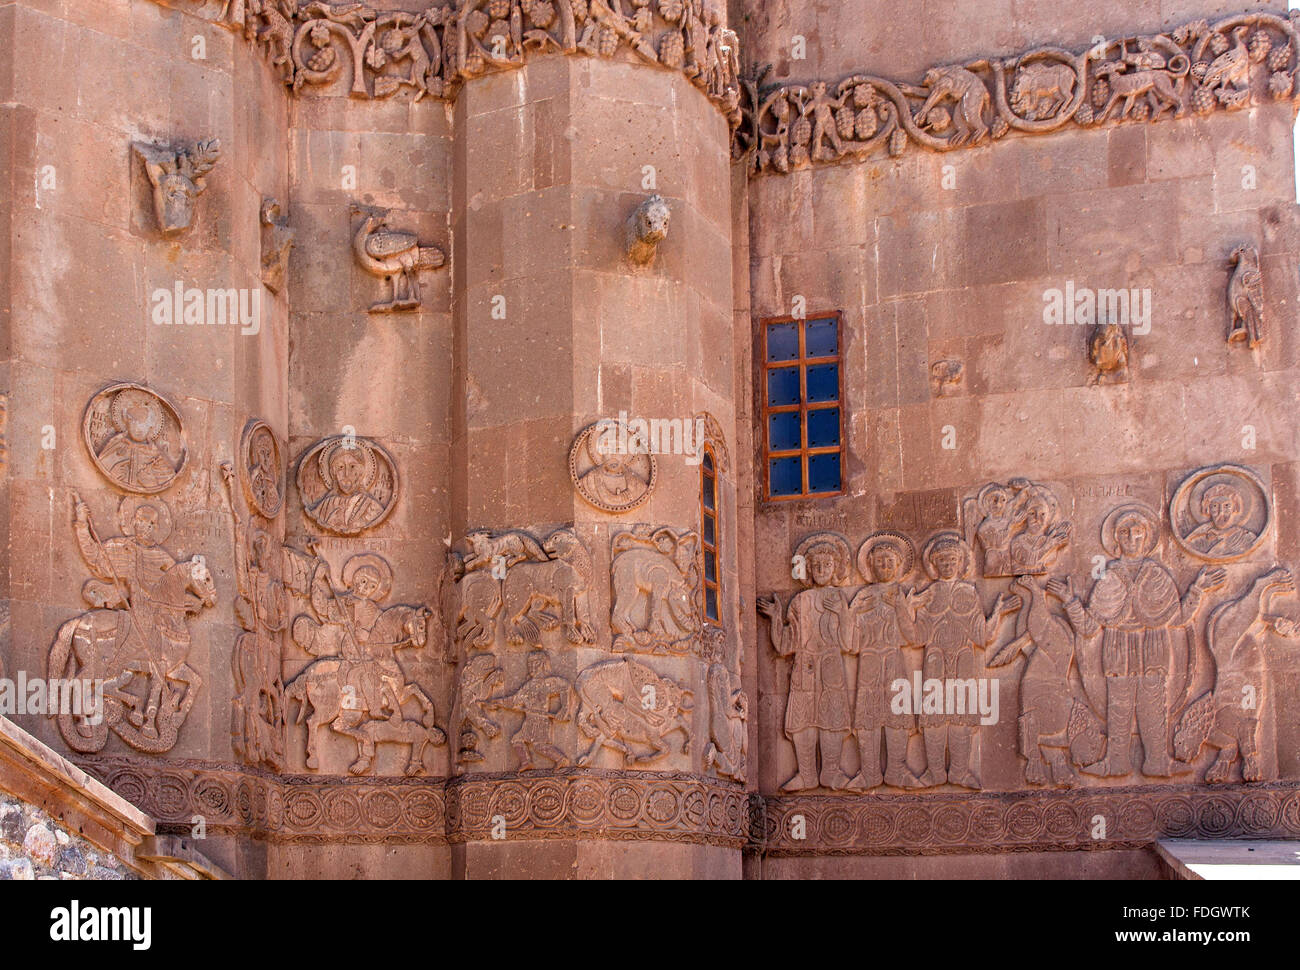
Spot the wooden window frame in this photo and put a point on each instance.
(802, 362)
(706, 547)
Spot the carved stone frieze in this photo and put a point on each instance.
(178, 177)
(611, 467)
(1016, 528)
(655, 583)
(135, 639)
(135, 438)
(628, 707)
(356, 685)
(347, 483)
(381, 53)
(727, 751)
(544, 699)
(1199, 68)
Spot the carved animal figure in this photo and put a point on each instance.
(625, 703)
(544, 595)
(646, 229)
(480, 605)
(653, 603)
(1227, 717)
(396, 256)
(111, 645)
(1108, 352)
(512, 547)
(1246, 297)
(1232, 67)
(1042, 89)
(418, 735)
(971, 97)
(1156, 86)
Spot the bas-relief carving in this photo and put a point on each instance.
(1246, 298)
(646, 228)
(1007, 525)
(1200, 68)
(611, 467)
(946, 377)
(544, 699)
(626, 706)
(178, 178)
(1220, 513)
(381, 53)
(263, 482)
(356, 685)
(394, 256)
(347, 483)
(135, 638)
(1108, 353)
(277, 241)
(655, 584)
(135, 438)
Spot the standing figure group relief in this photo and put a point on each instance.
(1132, 662)
(1199, 68)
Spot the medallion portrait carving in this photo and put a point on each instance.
(611, 468)
(1220, 513)
(261, 475)
(348, 484)
(134, 437)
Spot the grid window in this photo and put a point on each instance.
(709, 537)
(803, 421)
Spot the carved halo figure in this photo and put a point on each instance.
(262, 470)
(348, 484)
(613, 480)
(128, 430)
(1220, 513)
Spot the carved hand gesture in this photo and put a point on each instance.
(1062, 589)
(1006, 604)
(770, 607)
(1210, 578)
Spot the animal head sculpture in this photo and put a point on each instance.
(647, 227)
(178, 179)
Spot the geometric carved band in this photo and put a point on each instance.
(676, 807)
(583, 804)
(943, 824)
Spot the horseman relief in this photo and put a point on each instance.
(135, 639)
(356, 686)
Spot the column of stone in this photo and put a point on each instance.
(557, 327)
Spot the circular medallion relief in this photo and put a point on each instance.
(611, 467)
(1220, 513)
(348, 483)
(263, 486)
(134, 437)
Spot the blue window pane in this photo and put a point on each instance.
(822, 338)
(708, 530)
(784, 476)
(708, 493)
(783, 431)
(783, 386)
(711, 604)
(824, 428)
(782, 341)
(824, 383)
(824, 473)
(710, 567)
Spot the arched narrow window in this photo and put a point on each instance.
(710, 540)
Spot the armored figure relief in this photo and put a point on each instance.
(135, 638)
(952, 626)
(883, 624)
(1227, 717)
(178, 177)
(1246, 298)
(1135, 607)
(480, 677)
(134, 437)
(655, 579)
(543, 699)
(348, 484)
(626, 705)
(356, 686)
(816, 632)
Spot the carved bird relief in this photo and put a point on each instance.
(396, 256)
